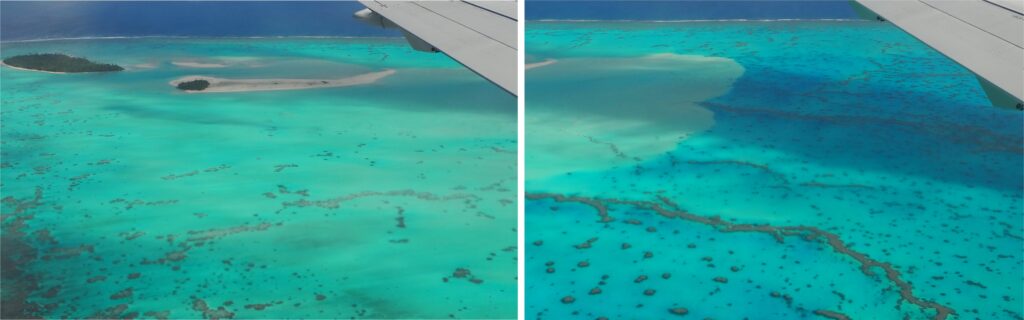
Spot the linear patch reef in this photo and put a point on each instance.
(669, 209)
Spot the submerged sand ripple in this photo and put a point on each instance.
(574, 130)
(547, 62)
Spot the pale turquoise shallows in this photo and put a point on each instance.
(124, 196)
(765, 170)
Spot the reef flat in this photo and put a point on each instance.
(842, 169)
(124, 197)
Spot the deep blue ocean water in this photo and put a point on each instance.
(47, 20)
(77, 19)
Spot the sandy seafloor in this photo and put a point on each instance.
(124, 197)
(765, 170)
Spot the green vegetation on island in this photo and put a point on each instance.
(194, 85)
(55, 62)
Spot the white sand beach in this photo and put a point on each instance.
(244, 85)
(13, 67)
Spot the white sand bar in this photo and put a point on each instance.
(243, 85)
(196, 64)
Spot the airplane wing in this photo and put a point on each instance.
(985, 36)
(479, 34)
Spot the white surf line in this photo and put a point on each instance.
(703, 20)
(199, 38)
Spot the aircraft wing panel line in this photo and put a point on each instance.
(486, 27)
(1015, 6)
(504, 8)
(984, 17)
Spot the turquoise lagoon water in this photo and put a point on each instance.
(765, 170)
(124, 197)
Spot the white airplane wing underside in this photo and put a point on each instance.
(479, 34)
(985, 36)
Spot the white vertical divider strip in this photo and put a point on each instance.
(521, 162)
